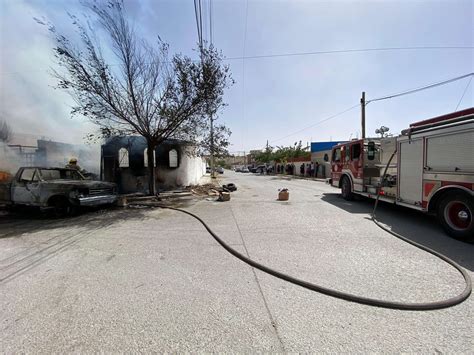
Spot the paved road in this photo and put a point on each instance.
(154, 280)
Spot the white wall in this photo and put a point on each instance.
(319, 157)
(191, 169)
(298, 166)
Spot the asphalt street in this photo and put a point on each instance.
(153, 280)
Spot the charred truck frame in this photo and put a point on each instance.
(432, 170)
(61, 190)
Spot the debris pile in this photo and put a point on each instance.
(222, 192)
(211, 191)
(204, 190)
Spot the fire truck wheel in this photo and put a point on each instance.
(346, 189)
(456, 213)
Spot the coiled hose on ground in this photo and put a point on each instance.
(347, 296)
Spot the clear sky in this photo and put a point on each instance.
(273, 97)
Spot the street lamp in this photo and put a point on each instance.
(382, 130)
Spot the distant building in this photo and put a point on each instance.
(124, 161)
(234, 160)
(252, 155)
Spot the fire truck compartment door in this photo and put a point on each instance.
(411, 171)
(451, 152)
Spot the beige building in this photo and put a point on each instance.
(321, 154)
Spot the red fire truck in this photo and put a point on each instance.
(432, 170)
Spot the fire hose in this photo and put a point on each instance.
(422, 306)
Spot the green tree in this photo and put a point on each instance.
(283, 154)
(266, 156)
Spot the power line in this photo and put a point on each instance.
(210, 20)
(464, 93)
(197, 23)
(243, 66)
(406, 92)
(200, 21)
(317, 123)
(295, 54)
(289, 54)
(205, 21)
(426, 87)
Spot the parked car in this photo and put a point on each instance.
(245, 170)
(260, 169)
(58, 189)
(218, 169)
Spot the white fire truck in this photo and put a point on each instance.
(432, 170)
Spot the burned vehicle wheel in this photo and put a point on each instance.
(456, 214)
(346, 189)
(61, 207)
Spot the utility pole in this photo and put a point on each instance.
(362, 111)
(212, 148)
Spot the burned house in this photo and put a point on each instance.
(124, 161)
(51, 153)
(42, 152)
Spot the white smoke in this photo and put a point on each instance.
(57, 154)
(49, 154)
(10, 161)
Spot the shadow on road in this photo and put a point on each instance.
(413, 225)
(32, 220)
(295, 177)
(70, 230)
(29, 221)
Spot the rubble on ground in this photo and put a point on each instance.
(204, 190)
(211, 191)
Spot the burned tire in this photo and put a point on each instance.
(229, 187)
(61, 207)
(456, 214)
(346, 189)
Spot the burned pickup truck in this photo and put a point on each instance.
(61, 190)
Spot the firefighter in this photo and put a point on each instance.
(73, 165)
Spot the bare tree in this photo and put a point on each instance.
(5, 132)
(215, 80)
(218, 144)
(144, 92)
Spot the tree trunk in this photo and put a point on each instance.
(151, 168)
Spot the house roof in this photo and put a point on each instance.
(130, 140)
